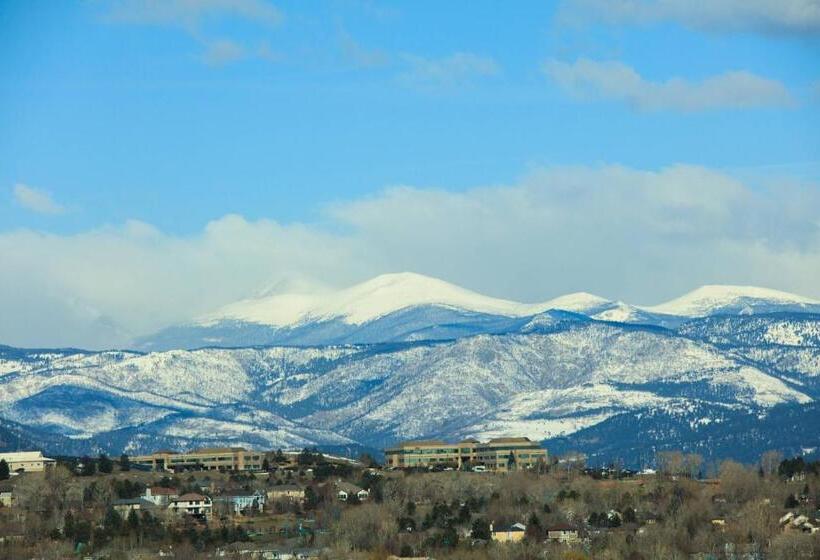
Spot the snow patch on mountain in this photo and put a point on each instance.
(709, 299)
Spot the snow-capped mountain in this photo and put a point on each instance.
(734, 300)
(406, 356)
(407, 306)
(555, 375)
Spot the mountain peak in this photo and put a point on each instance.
(711, 298)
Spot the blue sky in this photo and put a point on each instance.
(140, 128)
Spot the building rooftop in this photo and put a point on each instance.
(162, 491)
(191, 497)
(510, 440)
(23, 456)
(216, 450)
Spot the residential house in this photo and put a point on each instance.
(27, 461)
(192, 504)
(508, 533)
(6, 495)
(159, 495)
(243, 501)
(291, 493)
(563, 533)
(344, 490)
(127, 505)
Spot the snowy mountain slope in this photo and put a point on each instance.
(734, 300)
(548, 375)
(459, 382)
(713, 431)
(782, 329)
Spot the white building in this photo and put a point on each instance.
(27, 461)
(192, 504)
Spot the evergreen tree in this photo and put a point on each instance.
(105, 465)
(68, 525)
(311, 499)
(266, 465)
(133, 521)
(125, 463)
(534, 530)
(89, 467)
(4, 470)
(112, 522)
(480, 529)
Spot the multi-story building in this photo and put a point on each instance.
(27, 461)
(209, 459)
(499, 454)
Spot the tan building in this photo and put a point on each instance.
(209, 459)
(500, 454)
(508, 533)
(27, 461)
(287, 493)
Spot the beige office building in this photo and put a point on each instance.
(209, 459)
(500, 454)
(27, 461)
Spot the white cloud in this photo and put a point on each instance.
(766, 16)
(641, 236)
(456, 70)
(222, 51)
(36, 200)
(589, 79)
(360, 55)
(191, 13)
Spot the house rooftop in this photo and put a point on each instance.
(285, 488)
(513, 528)
(348, 487)
(191, 497)
(562, 527)
(162, 491)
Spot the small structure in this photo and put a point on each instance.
(27, 461)
(508, 533)
(563, 533)
(6, 495)
(291, 493)
(160, 495)
(344, 490)
(192, 504)
(127, 505)
(243, 501)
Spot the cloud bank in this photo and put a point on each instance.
(762, 16)
(190, 14)
(589, 79)
(642, 236)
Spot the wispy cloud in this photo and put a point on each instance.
(449, 72)
(191, 14)
(765, 16)
(36, 200)
(223, 51)
(589, 79)
(360, 55)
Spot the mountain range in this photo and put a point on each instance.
(723, 370)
